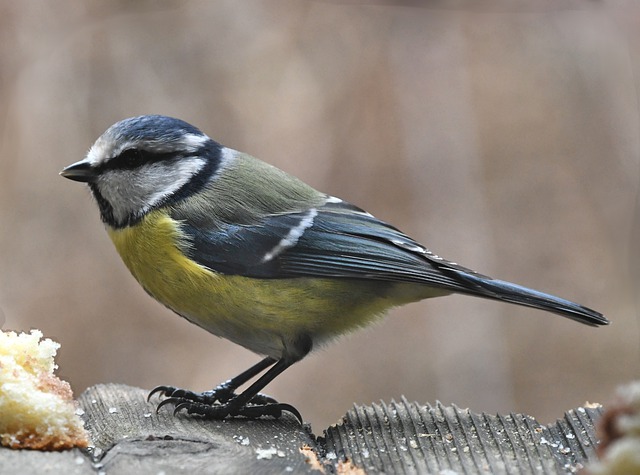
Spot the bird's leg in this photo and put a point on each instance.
(221, 393)
(243, 404)
(222, 401)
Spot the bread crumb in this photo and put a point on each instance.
(37, 407)
(311, 457)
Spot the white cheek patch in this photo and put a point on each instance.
(137, 191)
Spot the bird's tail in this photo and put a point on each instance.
(495, 289)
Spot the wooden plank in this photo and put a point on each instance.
(130, 437)
(407, 437)
(400, 437)
(32, 462)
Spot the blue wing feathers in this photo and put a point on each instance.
(344, 242)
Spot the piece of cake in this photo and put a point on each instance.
(37, 410)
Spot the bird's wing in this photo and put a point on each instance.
(339, 240)
(335, 240)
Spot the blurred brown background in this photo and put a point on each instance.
(505, 136)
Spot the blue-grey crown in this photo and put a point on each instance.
(151, 128)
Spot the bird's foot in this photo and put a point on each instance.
(220, 403)
(220, 394)
(220, 411)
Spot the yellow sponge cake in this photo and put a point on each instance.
(37, 410)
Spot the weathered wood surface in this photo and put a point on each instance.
(406, 437)
(129, 437)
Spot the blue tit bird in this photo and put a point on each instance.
(254, 255)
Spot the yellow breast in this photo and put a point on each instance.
(259, 314)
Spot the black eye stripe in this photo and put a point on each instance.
(133, 158)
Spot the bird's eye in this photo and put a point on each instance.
(131, 158)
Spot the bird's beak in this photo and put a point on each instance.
(79, 171)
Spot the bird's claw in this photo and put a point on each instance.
(219, 394)
(170, 400)
(249, 411)
(162, 391)
(219, 403)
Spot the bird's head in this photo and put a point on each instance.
(142, 163)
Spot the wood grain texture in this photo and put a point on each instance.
(401, 437)
(130, 437)
(407, 437)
